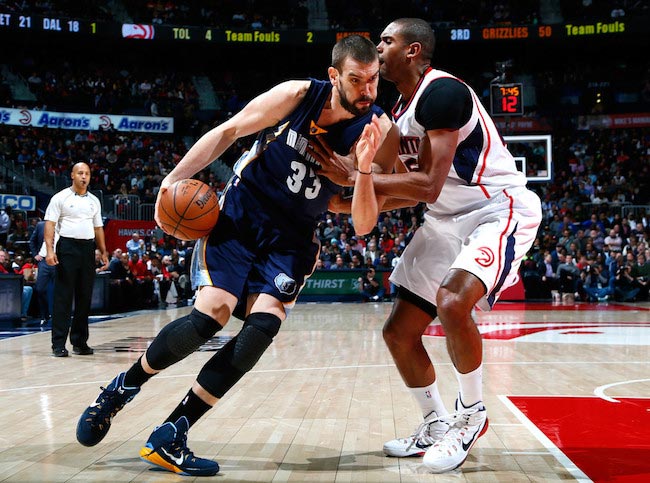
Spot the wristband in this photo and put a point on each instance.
(363, 172)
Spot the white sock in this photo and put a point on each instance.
(471, 386)
(429, 399)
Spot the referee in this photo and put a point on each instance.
(76, 216)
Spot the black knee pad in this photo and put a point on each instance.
(267, 323)
(180, 338)
(253, 340)
(240, 355)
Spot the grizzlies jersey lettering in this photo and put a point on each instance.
(280, 172)
(482, 166)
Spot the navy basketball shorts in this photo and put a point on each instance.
(253, 249)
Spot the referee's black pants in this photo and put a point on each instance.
(75, 275)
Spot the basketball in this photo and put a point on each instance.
(188, 210)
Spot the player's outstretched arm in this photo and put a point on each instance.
(435, 157)
(264, 111)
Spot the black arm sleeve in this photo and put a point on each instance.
(446, 103)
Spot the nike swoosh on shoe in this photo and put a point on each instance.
(178, 461)
(467, 446)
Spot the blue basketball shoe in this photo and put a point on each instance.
(167, 449)
(95, 421)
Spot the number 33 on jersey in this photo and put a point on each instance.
(278, 166)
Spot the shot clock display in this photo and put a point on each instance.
(506, 100)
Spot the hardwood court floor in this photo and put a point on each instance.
(567, 390)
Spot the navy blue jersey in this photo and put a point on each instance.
(264, 239)
(278, 171)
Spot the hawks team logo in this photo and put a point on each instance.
(285, 284)
(138, 31)
(486, 257)
(105, 122)
(26, 117)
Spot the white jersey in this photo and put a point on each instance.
(76, 216)
(482, 166)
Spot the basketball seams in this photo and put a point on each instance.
(178, 223)
(189, 204)
(201, 189)
(175, 227)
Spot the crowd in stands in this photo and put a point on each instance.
(581, 86)
(593, 243)
(559, 92)
(150, 273)
(595, 258)
(88, 9)
(126, 168)
(589, 245)
(372, 14)
(599, 260)
(148, 85)
(145, 273)
(101, 86)
(256, 14)
(596, 174)
(99, 89)
(253, 14)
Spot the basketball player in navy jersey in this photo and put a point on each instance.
(263, 247)
(481, 221)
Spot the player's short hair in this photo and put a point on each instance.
(418, 30)
(355, 47)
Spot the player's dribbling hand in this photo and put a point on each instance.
(164, 186)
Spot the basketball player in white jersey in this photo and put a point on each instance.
(481, 221)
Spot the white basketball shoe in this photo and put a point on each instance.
(431, 430)
(468, 424)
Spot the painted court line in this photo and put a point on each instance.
(547, 443)
(600, 390)
(299, 369)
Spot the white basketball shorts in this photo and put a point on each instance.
(489, 242)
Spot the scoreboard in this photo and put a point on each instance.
(562, 31)
(24, 22)
(77, 27)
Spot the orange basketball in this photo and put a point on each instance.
(188, 210)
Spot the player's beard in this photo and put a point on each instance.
(350, 106)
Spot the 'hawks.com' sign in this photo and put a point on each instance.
(118, 232)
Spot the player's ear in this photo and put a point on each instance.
(333, 74)
(414, 49)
